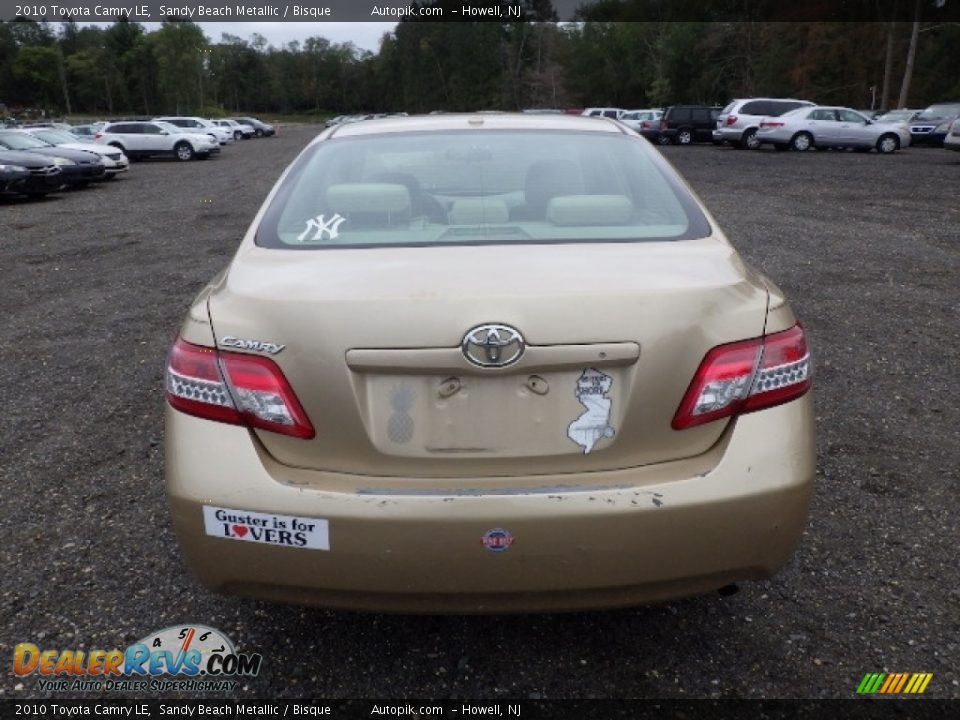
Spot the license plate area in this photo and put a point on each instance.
(524, 414)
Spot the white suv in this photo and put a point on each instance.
(739, 121)
(201, 125)
(141, 139)
(612, 113)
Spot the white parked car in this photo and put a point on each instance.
(831, 127)
(201, 125)
(634, 119)
(137, 138)
(114, 161)
(739, 121)
(952, 140)
(612, 113)
(240, 130)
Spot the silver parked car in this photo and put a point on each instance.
(952, 140)
(831, 127)
(902, 116)
(739, 121)
(634, 119)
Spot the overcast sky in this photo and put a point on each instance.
(365, 35)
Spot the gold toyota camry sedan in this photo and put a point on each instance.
(486, 364)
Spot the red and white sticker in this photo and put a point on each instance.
(267, 528)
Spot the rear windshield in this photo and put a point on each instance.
(479, 188)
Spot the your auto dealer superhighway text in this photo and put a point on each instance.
(202, 708)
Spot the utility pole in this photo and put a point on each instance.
(911, 57)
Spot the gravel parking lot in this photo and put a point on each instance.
(94, 285)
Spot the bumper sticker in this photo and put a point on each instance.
(593, 425)
(266, 528)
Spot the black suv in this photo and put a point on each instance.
(685, 124)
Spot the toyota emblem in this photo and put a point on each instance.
(493, 345)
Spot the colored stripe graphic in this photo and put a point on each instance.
(894, 683)
(903, 680)
(891, 681)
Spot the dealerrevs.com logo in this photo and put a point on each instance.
(184, 657)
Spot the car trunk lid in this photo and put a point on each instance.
(373, 347)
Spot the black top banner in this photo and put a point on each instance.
(481, 11)
(496, 709)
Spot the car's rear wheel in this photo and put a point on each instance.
(802, 141)
(684, 136)
(888, 144)
(237, 135)
(183, 151)
(258, 132)
(663, 140)
(749, 140)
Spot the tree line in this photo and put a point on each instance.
(532, 62)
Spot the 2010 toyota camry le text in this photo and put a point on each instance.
(486, 363)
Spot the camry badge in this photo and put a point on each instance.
(257, 345)
(493, 345)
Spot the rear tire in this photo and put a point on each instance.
(238, 135)
(663, 140)
(888, 144)
(684, 136)
(258, 132)
(749, 140)
(801, 142)
(183, 151)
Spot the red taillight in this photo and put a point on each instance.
(771, 124)
(664, 124)
(234, 388)
(731, 119)
(97, 135)
(645, 125)
(746, 376)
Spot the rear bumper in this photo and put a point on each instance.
(605, 539)
(727, 134)
(774, 137)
